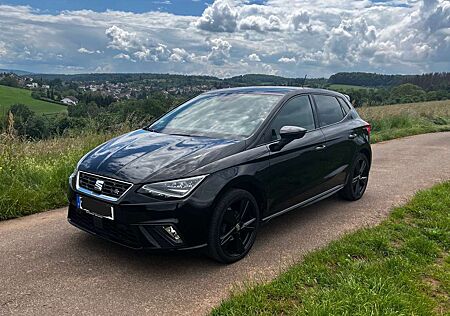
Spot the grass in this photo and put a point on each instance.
(10, 96)
(401, 267)
(33, 175)
(395, 121)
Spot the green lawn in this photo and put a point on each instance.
(401, 267)
(346, 87)
(10, 96)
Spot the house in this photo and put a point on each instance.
(69, 100)
(33, 85)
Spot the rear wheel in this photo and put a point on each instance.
(234, 225)
(357, 181)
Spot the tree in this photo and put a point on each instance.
(27, 123)
(407, 92)
(9, 80)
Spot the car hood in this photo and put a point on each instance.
(143, 156)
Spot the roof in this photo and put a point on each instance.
(71, 98)
(271, 89)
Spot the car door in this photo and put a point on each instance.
(337, 128)
(294, 173)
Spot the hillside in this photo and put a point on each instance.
(15, 71)
(337, 86)
(10, 96)
(428, 81)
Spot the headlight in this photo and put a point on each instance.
(174, 188)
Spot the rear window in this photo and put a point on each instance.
(329, 109)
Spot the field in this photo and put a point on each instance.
(10, 96)
(394, 121)
(33, 175)
(401, 267)
(346, 87)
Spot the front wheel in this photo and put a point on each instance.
(234, 225)
(357, 180)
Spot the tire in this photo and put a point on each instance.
(234, 226)
(357, 179)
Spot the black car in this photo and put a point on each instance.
(208, 173)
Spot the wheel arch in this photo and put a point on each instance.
(250, 184)
(367, 152)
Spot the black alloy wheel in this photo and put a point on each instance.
(357, 181)
(234, 226)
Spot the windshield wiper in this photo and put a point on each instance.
(150, 130)
(180, 134)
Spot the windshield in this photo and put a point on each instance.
(227, 115)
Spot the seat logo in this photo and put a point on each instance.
(99, 185)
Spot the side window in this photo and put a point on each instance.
(344, 105)
(296, 112)
(329, 109)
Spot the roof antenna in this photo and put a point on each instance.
(304, 80)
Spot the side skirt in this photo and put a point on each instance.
(307, 202)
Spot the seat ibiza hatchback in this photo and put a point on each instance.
(208, 173)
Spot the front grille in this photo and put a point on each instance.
(112, 188)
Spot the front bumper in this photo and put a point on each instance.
(142, 225)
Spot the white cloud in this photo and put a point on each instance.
(260, 23)
(220, 51)
(180, 55)
(254, 57)
(158, 53)
(287, 60)
(83, 50)
(221, 16)
(121, 39)
(300, 19)
(124, 57)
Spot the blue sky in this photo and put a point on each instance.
(181, 7)
(226, 37)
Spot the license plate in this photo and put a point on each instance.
(95, 207)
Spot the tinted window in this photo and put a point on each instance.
(344, 105)
(296, 112)
(228, 115)
(329, 109)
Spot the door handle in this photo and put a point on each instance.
(352, 135)
(320, 147)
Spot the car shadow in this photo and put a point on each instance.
(274, 236)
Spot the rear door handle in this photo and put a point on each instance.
(320, 147)
(353, 135)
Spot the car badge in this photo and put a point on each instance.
(99, 185)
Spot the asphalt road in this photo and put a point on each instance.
(49, 267)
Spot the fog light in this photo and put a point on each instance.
(172, 232)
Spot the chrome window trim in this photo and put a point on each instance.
(97, 195)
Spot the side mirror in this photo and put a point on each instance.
(292, 132)
(288, 134)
